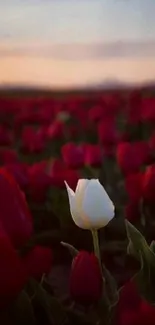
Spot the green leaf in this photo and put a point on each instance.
(139, 244)
(134, 235)
(109, 298)
(52, 307)
(72, 250)
(78, 318)
(110, 288)
(137, 241)
(63, 116)
(145, 278)
(152, 246)
(22, 310)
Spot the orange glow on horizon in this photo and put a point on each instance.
(63, 73)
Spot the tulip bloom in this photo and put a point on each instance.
(59, 172)
(13, 274)
(148, 109)
(14, 212)
(8, 156)
(93, 155)
(90, 205)
(73, 155)
(6, 137)
(132, 156)
(107, 131)
(96, 113)
(149, 184)
(86, 279)
(56, 130)
(39, 182)
(134, 108)
(134, 186)
(19, 172)
(33, 141)
(132, 212)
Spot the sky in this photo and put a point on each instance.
(69, 42)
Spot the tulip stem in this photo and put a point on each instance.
(96, 246)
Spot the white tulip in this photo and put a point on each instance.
(90, 205)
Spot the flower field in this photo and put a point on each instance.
(46, 140)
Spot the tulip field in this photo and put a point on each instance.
(77, 207)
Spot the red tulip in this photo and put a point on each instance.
(39, 181)
(56, 130)
(73, 155)
(24, 117)
(82, 117)
(13, 275)
(134, 108)
(107, 132)
(96, 113)
(33, 141)
(6, 137)
(85, 280)
(112, 104)
(152, 143)
(8, 156)
(145, 314)
(109, 150)
(148, 109)
(149, 184)
(59, 172)
(128, 305)
(134, 186)
(19, 172)
(108, 106)
(129, 318)
(132, 156)
(132, 309)
(38, 262)
(14, 212)
(93, 155)
(129, 297)
(132, 211)
(73, 131)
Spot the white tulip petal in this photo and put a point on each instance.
(74, 212)
(81, 185)
(79, 195)
(97, 205)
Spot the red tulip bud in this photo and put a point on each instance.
(73, 156)
(132, 156)
(93, 155)
(149, 184)
(13, 275)
(15, 215)
(86, 279)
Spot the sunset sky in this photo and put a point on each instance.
(76, 42)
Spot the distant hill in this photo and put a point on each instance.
(109, 84)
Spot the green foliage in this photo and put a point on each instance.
(22, 310)
(145, 277)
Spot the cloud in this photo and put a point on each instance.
(80, 51)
